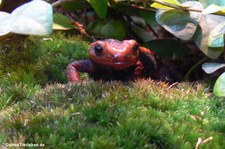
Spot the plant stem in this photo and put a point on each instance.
(182, 8)
(170, 5)
(142, 8)
(193, 67)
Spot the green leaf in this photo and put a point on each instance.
(206, 24)
(141, 33)
(214, 9)
(180, 24)
(219, 87)
(5, 23)
(149, 18)
(74, 5)
(100, 7)
(216, 36)
(212, 67)
(114, 29)
(160, 6)
(168, 48)
(206, 3)
(61, 22)
(95, 26)
(108, 28)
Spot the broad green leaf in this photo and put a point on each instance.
(141, 33)
(182, 1)
(95, 26)
(216, 36)
(168, 48)
(74, 5)
(5, 23)
(160, 6)
(214, 9)
(33, 18)
(61, 22)
(206, 25)
(180, 24)
(149, 18)
(138, 20)
(206, 3)
(212, 67)
(108, 28)
(114, 29)
(100, 7)
(219, 87)
(175, 2)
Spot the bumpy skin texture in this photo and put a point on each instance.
(115, 60)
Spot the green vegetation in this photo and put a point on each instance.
(26, 64)
(113, 115)
(140, 114)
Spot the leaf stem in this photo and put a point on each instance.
(193, 67)
(60, 2)
(135, 6)
(182, 8)
(168, 4)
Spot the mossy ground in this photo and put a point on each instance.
(37, 106)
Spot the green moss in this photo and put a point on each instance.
(44, 58)
(118, 115)
(26, 63)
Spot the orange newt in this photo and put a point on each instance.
(112, 59)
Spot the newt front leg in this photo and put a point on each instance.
(154, 66)
(75, 67)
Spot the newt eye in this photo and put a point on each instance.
(136, 49)
(98, 49)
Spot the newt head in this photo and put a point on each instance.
(114, 54)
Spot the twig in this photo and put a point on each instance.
(176, 6)
(59, 2)
(183, 8)
(207, 140)
(200, 142)
(117, 3)
(193, 67)
(167, 4)
(141, 7)
(173, 85)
